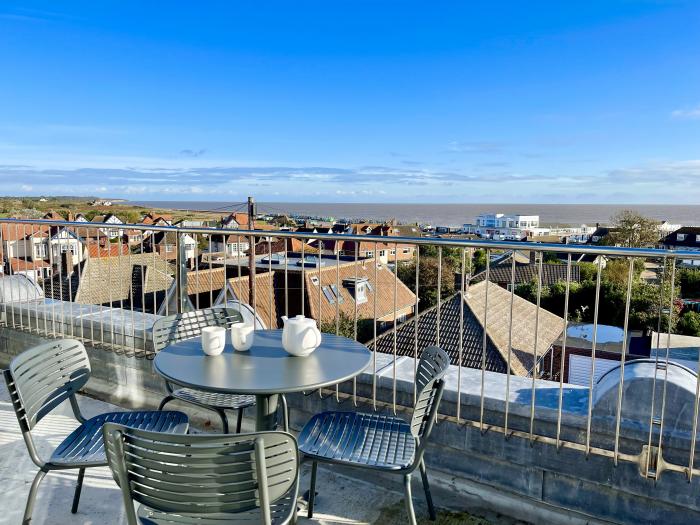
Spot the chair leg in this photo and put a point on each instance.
(312, 490)
(78, 488)
(409, 499)
(426, 488)
(224, 419)
(285, 413)
(32, 497)
(166, 399)
(239, 421)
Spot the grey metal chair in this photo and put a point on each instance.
(39, 380)
(381, 442)
(179, 327)
(206, 478)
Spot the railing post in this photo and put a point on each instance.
(181, 273)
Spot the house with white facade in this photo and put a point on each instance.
(35, 250)
(232, 245)
(109, 220)
(685, 238)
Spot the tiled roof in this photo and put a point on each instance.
(497, 330)
(21, 265)
(382, 289)
(523, 334)
(53, 215)
(525, 273)
(293, 246)
(472, 338)
(103, 280)
(15, 232)
(205, 280)
(240, 217)
(107, 250)
(264, 289)
(521, 257)
(162, 238)
(277, 246)
(690, 241)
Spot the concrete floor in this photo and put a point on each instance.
(341, 499)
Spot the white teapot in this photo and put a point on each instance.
(300, 335)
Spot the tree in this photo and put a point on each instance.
(429, 270)
(479, 261)
(346, 327)
(633, 230)
(588, 271)
(689, 281)
(689, 324)
(617, 271)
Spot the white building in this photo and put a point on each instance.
(506, 227)
(500, 220)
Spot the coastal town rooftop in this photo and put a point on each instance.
(514, 441)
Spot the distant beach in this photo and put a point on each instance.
(452, 214)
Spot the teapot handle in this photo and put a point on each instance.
(316, 332)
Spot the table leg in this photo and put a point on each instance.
(266, 412)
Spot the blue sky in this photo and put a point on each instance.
(363, 101)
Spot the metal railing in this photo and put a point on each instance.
(108, 291)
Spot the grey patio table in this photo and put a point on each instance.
(265, 370)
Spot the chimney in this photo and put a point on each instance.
(67, 263)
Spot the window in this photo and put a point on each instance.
(382, 253)
(335, 291)
(314, 280)
(40, 250)
(329, 295)
(369, 254)
(357, 288)
(697, 238)
(393, 252)
(360, 293)
(680, 236)
(406, 250)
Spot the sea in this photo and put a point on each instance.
(449, 214)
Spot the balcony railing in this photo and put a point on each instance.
(509, 363)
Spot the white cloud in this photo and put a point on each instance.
(687, 113)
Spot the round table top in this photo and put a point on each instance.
(264, 369)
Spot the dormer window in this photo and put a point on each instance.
(680, 236)
(358, 288)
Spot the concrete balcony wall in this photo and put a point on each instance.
(527, 480)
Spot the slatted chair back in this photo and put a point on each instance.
(44, 376)
(201, 474)
(432, 366)
(178, 327)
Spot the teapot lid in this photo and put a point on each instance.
(300, 319)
